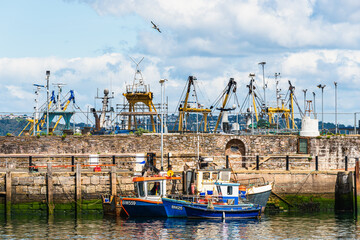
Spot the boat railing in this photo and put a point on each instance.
(250, 182)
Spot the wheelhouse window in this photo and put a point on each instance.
(229, 190)
(206, 176)
(139, 189)
(153, 189)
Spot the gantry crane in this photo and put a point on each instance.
(185, 107)
(225, 95)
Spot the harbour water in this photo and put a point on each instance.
(96, 226)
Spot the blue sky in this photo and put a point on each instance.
(87, 44)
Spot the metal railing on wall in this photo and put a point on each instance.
(127, 162)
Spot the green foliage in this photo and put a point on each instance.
(43, 134)
(328, 137)
(8, 134)
(13, 126)
(77, 134)
(318, 137)
(140, 131)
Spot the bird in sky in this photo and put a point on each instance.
(155, 27)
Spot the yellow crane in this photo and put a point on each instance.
(230, 88)
(186, 108)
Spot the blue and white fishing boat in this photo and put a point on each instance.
(224, 211)
(224, 197)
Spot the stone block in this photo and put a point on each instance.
(15, 181)
(95, 180)
(85, 180)
(39, 180)
(26, 181)
(58, 190)
(90, 189)
(21, 190)
(33, 190)
(100, 188)
(43, 190)
(104, 180)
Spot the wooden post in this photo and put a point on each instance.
(316, 163)
(72, 163)
(168, 158)
(287, 163)
(50, 189)
(113, 160)
(113, 181)
(31, 169)
(257, 162)
(78, 188)
(356, 183)
(8, 192)
(346, 163)
(227, 161)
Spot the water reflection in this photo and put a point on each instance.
(280, 226)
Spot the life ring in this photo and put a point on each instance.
(170, 173)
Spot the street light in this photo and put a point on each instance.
(336, 125)
(162, 81)
(314, 105)
(304, 90)
(47, 101)
(264, 84)
(322, 104)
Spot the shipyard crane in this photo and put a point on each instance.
(37, 124)
(225, 95)
(186, 108)
(139, 98)
(287, 113)
(64, 106)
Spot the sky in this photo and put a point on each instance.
(87, 45)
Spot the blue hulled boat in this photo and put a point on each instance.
(146, 203)
(224, 211)
(224, 199)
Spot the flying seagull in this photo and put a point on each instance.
(155, 27)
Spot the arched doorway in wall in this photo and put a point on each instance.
(235, 149)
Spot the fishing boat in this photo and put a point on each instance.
(257, 190)
(147, 203)
(224, 211)
(252, 190)
(225, 196)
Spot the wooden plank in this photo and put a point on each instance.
(50, 189)
(113, 181)
(78, 188)
(8, 192)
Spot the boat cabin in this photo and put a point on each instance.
(151, 188)
(205, 179)
(229, 192)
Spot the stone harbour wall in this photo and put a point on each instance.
(272, 149)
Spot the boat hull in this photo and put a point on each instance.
(175, 208)
(259, 195)
(222, 212)
(135, 207)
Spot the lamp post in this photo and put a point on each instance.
(336, 125)
(304, 90)
(314, 105)
(162, 81)
(264, 84)
(47, 101)
(322, 104)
